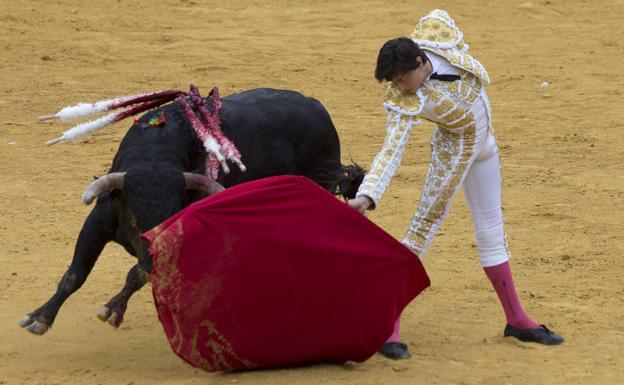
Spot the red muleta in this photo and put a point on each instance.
(278, 272)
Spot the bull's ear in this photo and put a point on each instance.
(108, 182)
(202, 183)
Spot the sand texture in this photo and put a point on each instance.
(562, 148)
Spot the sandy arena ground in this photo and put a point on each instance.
(562, 147)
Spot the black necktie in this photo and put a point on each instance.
(444, 78)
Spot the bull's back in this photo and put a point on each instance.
(279, 132)
(172, 143)
(276, 131)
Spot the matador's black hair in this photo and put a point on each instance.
(396, 57)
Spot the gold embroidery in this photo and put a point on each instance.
(434, 95)
(222, 355)
(467, 120)
(435, 30)
(167, 245)
(165, 274)
(453, 87)
(408, 102)
(463, 61)
(449, 160)
(387, 160)
(166, 278)
(446, 106)
(454, 115)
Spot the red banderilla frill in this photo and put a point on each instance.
(217, 145)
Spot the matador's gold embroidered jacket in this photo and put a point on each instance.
(446, 103)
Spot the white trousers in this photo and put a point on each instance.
(468, 160)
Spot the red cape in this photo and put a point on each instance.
(278, 272)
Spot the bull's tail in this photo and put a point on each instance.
(343, 181)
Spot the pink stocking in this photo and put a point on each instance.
(500, 276)
(396, 331)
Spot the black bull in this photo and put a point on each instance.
(151, 178)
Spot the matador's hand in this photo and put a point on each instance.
(361, 203)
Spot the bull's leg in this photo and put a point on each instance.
(96, 232)
(113, 311)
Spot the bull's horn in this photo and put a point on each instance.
(106, 183)
(202, 183)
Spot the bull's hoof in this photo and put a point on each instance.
(103, 313)
(32, 325)
(26, 321)
(112, 317)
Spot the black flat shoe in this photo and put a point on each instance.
(541, 335)
(395, 350)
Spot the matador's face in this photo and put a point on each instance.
(411, 81)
